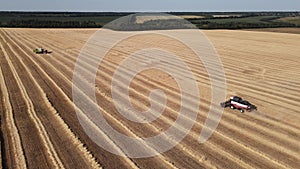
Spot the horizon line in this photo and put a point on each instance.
(150, 11)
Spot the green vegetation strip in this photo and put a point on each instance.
(208, 20)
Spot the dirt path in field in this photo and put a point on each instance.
(257, 68)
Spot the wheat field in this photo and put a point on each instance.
(40, 129)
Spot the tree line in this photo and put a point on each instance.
(150, 25)
(241, 25)
(32, 23)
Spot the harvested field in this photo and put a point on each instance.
(277, 30)
(143, 19)
(40, 128)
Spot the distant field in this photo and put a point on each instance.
(143, 19)
(294, 20)
(191, 16)
(226, 16)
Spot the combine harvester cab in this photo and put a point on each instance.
(41, 51)
(240, 104)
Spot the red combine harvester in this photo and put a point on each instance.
(236, 102)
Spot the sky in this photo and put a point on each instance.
(149, 5)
